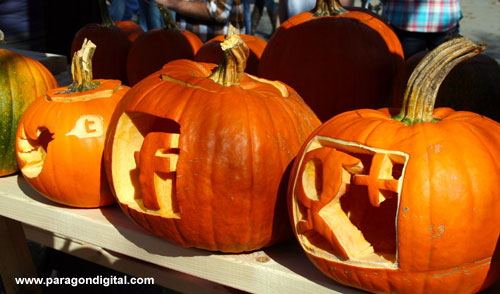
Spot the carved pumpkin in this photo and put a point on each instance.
(111, 59)
(22, 79)
(211, 51)
(405, 204)
(473, 85)
(156, 47)
(60, 138)
(197, 157)
(337, 60)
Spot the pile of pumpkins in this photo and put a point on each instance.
(278, 139)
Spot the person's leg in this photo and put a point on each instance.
(412, 42)
(247, 13)
(117, 9)
(272, 11)
(151, 15)
(256, 14)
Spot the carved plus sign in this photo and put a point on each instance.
(379, 178)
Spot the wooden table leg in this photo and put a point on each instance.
(15, 258)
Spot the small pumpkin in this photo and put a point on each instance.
(212, 52)
(337, 60)
(156, 47)
(197, 156)
(132, 29)
(403, 204)
(60, 137)
(110, 61)
(22, 80)
(472, 85)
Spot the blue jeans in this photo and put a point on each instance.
(414, 42)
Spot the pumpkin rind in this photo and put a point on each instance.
(225, 157)
(22, 80)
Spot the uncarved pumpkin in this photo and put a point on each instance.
(337, 60)
(151, 50)
(198, 156)
(212, 52)
(22, 80)
(404, 204)
(132, 29)
(60, 138)
(110, 60)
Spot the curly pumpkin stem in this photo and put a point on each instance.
(81, 69)
(423, 84)
(107, 21)
(168, 19)
(328, 8)
(236, 54)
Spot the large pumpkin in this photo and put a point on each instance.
(473, 85)
(22, 79)
(151, 50)
(132, 29)
(110, 60)
(60, 138)
(212, 52)
(337, 60)
(198, 157)
(404, 204)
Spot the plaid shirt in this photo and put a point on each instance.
(222, 12)
(423, 15)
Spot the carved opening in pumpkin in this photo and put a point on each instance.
(32, 152)
(347, 200)
(144, 163)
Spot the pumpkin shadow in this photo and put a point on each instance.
(493, 277)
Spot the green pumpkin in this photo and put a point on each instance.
(22, 79)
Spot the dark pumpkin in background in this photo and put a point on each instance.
(151, 50)
(60, 138)
(407, 203)
(198, 156)
(109, 61)
(22, 80)
(336, 60)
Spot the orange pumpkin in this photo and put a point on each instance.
(60, 138)
(337, 60)
(110, 60)
(404, 204)
(132, 29)
(156, 47)
(198, 157)
(22, 79)
(211, 51)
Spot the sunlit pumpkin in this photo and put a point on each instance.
(60, 138)
(132, 29)
(337, 60)
(22, 79)
(198, 156)
(403, 204)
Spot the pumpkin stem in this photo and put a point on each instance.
(107, 21)
(168, 19)
(2, 37)
(423, 84)
(81, 69)
(232, 67)
(328, 8)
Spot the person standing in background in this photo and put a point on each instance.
(207, 18)
(422, 25)
(272, 11)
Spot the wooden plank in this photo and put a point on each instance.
(55, 63)
(283, 268)
(165, 277)
(16, 261)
